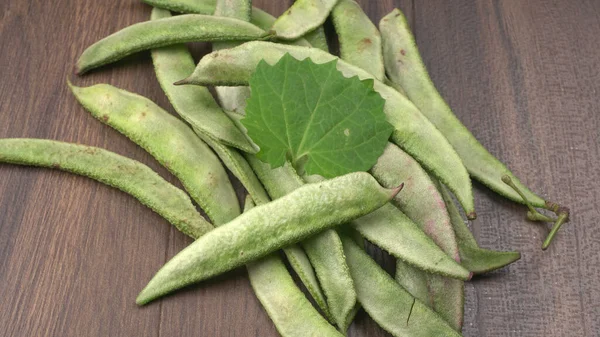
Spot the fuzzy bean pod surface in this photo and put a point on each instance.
(170, 141)
(165, 32)
(306, 211)
(405, 67)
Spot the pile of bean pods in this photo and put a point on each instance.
(320, 225)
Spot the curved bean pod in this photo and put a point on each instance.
(127, 175)
(194, 104)
(387, 227)
(477, 260)
(160, 33)
(306, 211)
(277, 292)
(302, 17)
(324, 250)
(424, 205)
(360, 41)
(405, 67)
(392, 307)
(413, 132)
(286, 305)
(168, 140)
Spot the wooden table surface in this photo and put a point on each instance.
(524, 76)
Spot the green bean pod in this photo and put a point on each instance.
(360, 41)
(477, 260)
(386, 227)
(168, 140)
(194, 104)
(424, 205)
(317, 39)
(413, 132)
(185, 6)
(302, 17)
(160, 33)
(392, 307)
(405, 67)
(301, 214)
(127, 175)
(324, 250)
(285, 304)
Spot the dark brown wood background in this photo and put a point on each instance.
(524, 76)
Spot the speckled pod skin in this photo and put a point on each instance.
(302, 17)
(387, 227)
(127, 175)
(324, 250)
(405, 68)
(170, 141)
(160, 33)
(392, 307)
(413, 132)
(360, 41)
(424, 205)
(306, 211)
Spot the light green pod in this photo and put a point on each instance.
(392, 307)
(386, 227)
(477, 260)
(160, 33)
(405, 67)
(413, 132)
(185, 6)
(317, 39)
(306, 211)
(168, 140)
(286, 305)
(360, 41)
(194, 103)
(302, 17)
(424, 205)
(127, 175)
(324, 250)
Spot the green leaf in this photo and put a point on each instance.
(312, 115)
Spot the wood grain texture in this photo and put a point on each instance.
(522, 75)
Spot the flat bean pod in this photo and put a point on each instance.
(392, 307)
(424, 205)
(185, 6)
(324, 250)
(360, 41)
(302, 17)
(193, 103)
(285, 304)
(413, 132)
(168, 140)
(306, 211)
(477, 260)
(114, 170)
(160, 33)
(387, 227)
(405, 67)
